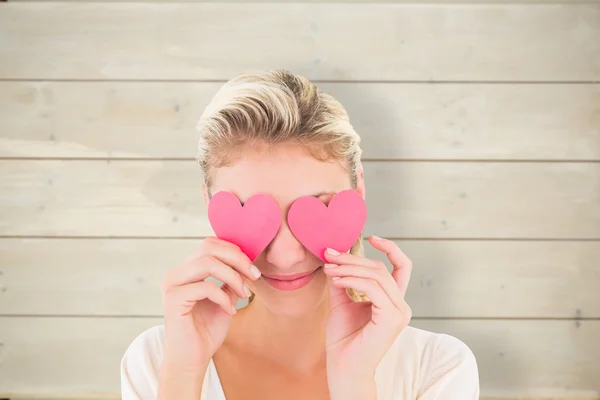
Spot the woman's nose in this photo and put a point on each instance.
(285, 250)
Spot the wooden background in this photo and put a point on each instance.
(481, 131)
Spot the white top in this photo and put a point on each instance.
(420, 365)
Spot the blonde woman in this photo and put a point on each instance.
(311, 330)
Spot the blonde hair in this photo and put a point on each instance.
(266, 108)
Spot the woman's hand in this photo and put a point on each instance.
(198, 312)
(359, 334)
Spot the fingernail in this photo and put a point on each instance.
(330, 265)
(376, 237)
(233, 310)
(247, 290)
(333, 252)
(335, 277)
(254, 271)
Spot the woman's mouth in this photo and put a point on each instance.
(291, 282)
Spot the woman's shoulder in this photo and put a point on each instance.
(428, 360)
(152, 338)
(433, 346)
(140, 365)
(146, 349)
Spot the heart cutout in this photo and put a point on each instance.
(251, 227)
(338, 225)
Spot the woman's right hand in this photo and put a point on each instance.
(197, 312)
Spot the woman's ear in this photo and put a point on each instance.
(360, 182)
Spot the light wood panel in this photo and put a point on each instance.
(183, 41)
(405, 200)
(341, 1)
(535, 358)
(487, 279)
(538, 359)
(519, 82)
(396, 121)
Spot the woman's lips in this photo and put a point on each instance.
(290, 284)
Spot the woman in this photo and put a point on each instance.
(311, 330)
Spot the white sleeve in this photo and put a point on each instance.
(453, 374)
(140, 366)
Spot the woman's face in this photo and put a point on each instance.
(286, 173)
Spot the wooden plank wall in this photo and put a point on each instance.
(481, 131)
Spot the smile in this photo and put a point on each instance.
(290, 284)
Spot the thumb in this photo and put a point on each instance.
(337, 294)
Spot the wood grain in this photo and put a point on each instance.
(396, 121)
(538, 358)
(450, 279)
(212, 41)
(405, 199)
(481, 131)
(474, 2)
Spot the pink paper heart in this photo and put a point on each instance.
(337, 226)
(251, 227)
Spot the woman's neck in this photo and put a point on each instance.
(296, 341)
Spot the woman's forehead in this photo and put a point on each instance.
(283, 175)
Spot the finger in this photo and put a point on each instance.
(185, 297)
(401, 263)
(231, 293)
(335, 257)
(231, 255)
(215, 241)
(206, 246)
(369, 287)
(200, 269)
(337, 294)
(380, 275)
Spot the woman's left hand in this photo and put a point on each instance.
(359, 334)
